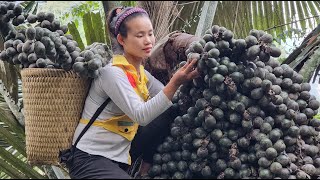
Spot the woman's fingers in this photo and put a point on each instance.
(194, 74)
(191, 65)
(186, 64)
(187, 72)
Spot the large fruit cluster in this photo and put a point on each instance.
(89, 61)
(10, 11)
(45, 44)
(246, 116)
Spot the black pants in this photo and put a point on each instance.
(144, 144)
(87, 166)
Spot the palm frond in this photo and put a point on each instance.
(310, 65)
(161, 13)
(274, 17)
(30, 7)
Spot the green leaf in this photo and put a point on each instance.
(256, 23)
(128, 3)
(25, 3)
(314, 10)
(29, 5)
(310, 65)
(88, 28)
(304, 5)
(260, 16)
(292, 14)
(216, 19)
(287, 14)
(11, 171)
(76, 22)
(98, 27)
(265, 20)
(239, 27)
(218, 15)
(11, 138)
(229, 5)
(275, 20)
(7, 118)
(301, 15)
(35, 9)
(247, 17)
(267, 14)
(23, 167)
(279, 16)
(75, 33)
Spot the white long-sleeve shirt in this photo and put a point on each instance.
(114, 83)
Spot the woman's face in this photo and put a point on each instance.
(140, 38)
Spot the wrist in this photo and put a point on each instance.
(173, 85)
(170, 89)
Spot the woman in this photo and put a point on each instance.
(137, 98)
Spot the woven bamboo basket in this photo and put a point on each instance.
(53, 100)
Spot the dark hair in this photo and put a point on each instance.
(114, 15)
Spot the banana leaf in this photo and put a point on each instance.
(99, 28)
(88, 28)
(75, 34)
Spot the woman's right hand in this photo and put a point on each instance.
(184, 74)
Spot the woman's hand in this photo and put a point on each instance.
(184, 74)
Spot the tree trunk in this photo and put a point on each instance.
(187, 19)
(206, 18)
(161, 13)
(107, 6)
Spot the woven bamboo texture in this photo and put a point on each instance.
(53, 100)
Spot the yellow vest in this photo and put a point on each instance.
(123, 125)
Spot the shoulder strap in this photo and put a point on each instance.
(94, 117)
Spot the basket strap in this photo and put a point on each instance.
(94, 117)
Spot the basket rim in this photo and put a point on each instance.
(39, 72)
(46, 69)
